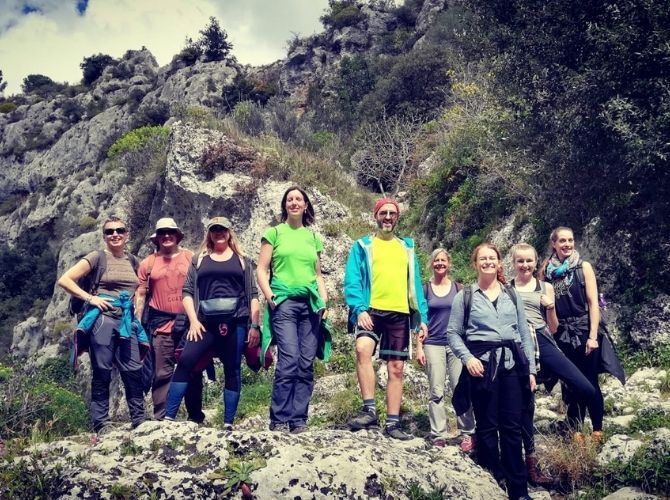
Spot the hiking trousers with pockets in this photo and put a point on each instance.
(108, 350)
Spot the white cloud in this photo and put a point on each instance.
(55, 40)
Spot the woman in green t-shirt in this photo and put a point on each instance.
(289, 275)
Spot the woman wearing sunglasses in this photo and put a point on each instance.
(221, 302)
(108, 312)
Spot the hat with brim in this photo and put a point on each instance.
(253, 358)
(166, 223)
(219, 221)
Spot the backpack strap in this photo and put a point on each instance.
(509, 289)
(459, 286)
(425, 289)
(152, 262)
(467, 305)
(99, 270)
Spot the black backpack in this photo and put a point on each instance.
(91, 282)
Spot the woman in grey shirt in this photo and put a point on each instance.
(493, 342)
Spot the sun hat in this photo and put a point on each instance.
(219, 221)
(166, 223)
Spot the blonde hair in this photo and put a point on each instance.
(233, 242)
(520, 247)
(434, 255)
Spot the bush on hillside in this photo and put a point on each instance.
(137, 140)
(93, 67)
(247, 88)
(41, 85)
(342, 13)
(249, 117)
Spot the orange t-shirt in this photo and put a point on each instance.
(167, 280)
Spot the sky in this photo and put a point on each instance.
(52, 37)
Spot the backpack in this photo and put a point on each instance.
(91, 282)
(467, 301)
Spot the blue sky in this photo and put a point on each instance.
(52, 37)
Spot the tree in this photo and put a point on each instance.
(94, 66)
(385, 157)
(214, 41)
(40, 85)
(3, 84)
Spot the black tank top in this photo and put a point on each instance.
(222, 279)
(570, 296)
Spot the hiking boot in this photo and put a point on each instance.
(394, 431)
(468, 443)
(535, 475)
(299, 429)
(364, 420)
(278, 427)
(578, 437)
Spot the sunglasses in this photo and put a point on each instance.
(166, 232)
(117, 230)
(217, 228)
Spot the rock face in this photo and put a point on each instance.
(182, 460)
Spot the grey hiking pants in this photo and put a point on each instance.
(108, 349)
(440, 361)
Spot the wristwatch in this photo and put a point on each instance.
(255, 326)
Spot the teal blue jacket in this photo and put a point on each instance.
(358, 281)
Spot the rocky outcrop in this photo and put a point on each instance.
(182, 460)
(651, 325)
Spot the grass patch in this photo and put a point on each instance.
(649, 419)
(648, 469)
(129, 448)
(199, 459)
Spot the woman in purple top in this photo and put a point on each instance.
(434, 353)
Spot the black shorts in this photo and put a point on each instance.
(391, 333)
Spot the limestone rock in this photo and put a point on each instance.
(630, 493)
(187, 461)
(619, 447)
(651, 325)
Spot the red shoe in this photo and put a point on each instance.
(468, 443)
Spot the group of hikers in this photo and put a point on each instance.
(185, 308)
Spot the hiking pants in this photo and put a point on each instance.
(588, 366)
(108, 349)
(295, 328)
(440, 361)
(554, 362)
(498, 415)
(164, 345)
(227, 341)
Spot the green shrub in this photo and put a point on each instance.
(648, 419)
(29, 478)
(649, 469)
(7, 107)
(342, 13)
(249, 117)
(248, 88)
(137, 139)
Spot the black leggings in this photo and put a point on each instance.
(554, 362)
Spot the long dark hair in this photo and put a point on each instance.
(308, 214)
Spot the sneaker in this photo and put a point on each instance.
(468, 443)
(597, 437)
(278, 427)
(437, 441)
(395, 431)
(227, 427)
(364, 420)
(299, 429)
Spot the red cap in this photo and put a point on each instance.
(383, 201)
